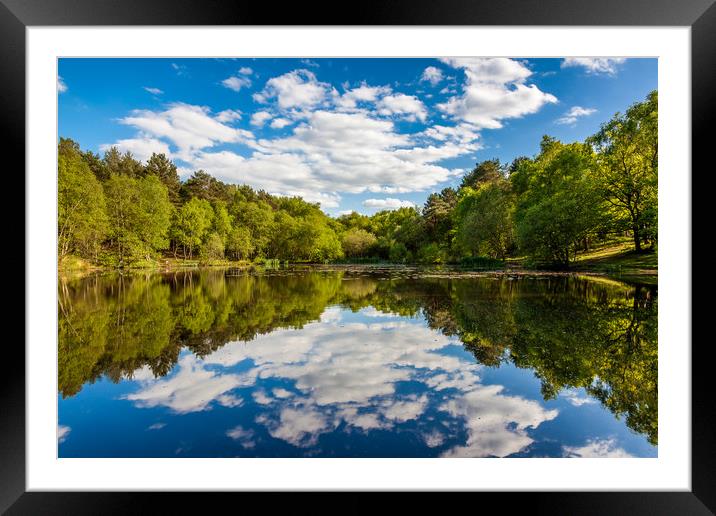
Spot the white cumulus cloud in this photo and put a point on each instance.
(260, 118)
(186, 126)
(595, 65)
(361, 94)
(571, 116)
(63, 432)
(495, 89)
(298, 89)
(141, 148)
(408, 106)
(228, 115)
(236, 83)
(432, 75)
(280, 123)
(388, 203)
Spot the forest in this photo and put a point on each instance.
(115, 211)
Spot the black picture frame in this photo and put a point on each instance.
(700, 15)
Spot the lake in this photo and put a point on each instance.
(356, 362)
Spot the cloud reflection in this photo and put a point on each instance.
(597, 448)
(363, 371)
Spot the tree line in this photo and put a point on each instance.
(115, 211)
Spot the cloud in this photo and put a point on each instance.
(460, 134)
(337, 383)
(280, 123)
(156, 426)
(573, 396)
(245, 436)
(260, 117)
(236, 83)
(408, 106)
(326, 153)
(62, 433)
(245, 70)
(332, 152)
(228, 116)
(571, 116)
(336, 144)
(181, 70)
(280, 174)
(299, 426)
(308, 62)
(387, 204)
(141, 148)
(361, 94)
(188, 127)
(595, 65)
(494, 90)
(597, 448)
(432, 75)
(406, 410)
(281, 393)
(153, 91)
(191, 389)
(298, 89)
(61, 86)
(497, 423)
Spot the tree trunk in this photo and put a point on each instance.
(637, 239)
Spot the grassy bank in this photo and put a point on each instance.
(616, 258)
(621, 260)
(74, 264)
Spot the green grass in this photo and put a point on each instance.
(621, 260)
(74, 263)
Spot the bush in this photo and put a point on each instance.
(481, 262)
(399, 253)
(431, 254)
(213, 249)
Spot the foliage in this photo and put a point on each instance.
(191, 224)
(139, 214)
(485, 225)
(358, 242)
(81, 210)
(238, 243)
(561, 207)
(627, 154)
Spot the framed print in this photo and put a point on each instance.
(419, 252)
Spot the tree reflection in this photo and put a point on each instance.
(581, 332)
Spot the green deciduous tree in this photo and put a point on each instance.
(238, 243)
(81, 216)
(191, 224)
(484, 220)
(358, 242)
(140, 215)
(627, 154)
(213, 248)
(561, 206)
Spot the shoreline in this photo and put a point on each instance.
(407, 271)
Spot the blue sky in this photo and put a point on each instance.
(352, 134)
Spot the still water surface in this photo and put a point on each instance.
(355, 363)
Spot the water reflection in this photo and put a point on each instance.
(340, 364)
